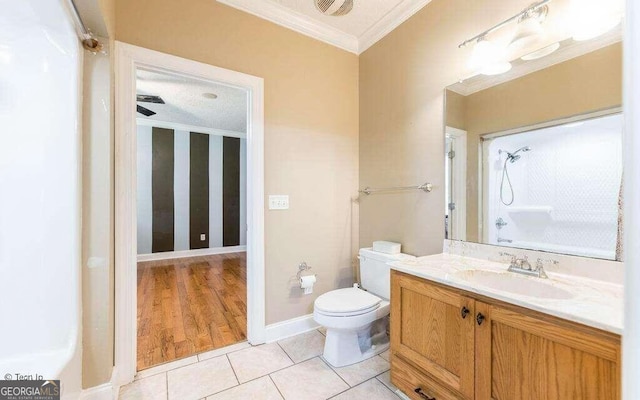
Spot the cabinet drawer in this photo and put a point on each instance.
(408, 379)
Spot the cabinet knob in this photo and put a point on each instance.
(423, 394)
(464, 311)
(480, 318)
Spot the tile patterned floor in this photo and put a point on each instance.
(291, 369)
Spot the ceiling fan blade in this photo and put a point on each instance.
(148, 98)
(144, 111)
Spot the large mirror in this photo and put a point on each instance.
(534, 157)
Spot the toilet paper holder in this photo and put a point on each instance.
(303, 266)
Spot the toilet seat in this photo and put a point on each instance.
(347, 302)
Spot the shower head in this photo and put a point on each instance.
(513, 157)
(522, 149)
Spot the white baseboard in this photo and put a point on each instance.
(106, 391)
(290, 327)
(100, 392)
(169, 255)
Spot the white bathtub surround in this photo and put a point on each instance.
(598, 304)
(41, 72)
(563, 201)
(591, 268)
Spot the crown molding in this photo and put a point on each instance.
(305, 25)
(389, 22)
(295, 21)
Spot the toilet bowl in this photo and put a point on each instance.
(357, 320)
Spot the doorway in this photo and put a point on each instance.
(187, 252)
(191, 216)
(455, 184)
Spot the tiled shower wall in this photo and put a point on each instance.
(566, 188)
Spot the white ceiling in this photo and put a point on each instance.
(368, 22)
(185, 103)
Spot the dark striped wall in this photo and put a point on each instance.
(179, 172)
(162, 190)
(231, 191)
(199, 190)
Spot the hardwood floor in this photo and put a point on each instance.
(190, 305)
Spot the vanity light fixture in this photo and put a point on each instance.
(491, 59)
(529, 32)
(531, 10)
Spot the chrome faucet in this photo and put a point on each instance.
(523, 266)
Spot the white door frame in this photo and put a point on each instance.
(458, 182)
(127, 59)
(631, 101)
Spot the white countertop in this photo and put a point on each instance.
(594, 303)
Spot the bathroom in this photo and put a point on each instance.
(338, 104)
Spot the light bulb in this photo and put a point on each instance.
(592, 18)
(489, 58)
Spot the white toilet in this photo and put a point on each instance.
(357, 319)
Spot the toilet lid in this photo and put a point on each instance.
(346, 301)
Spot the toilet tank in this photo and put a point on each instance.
(375, 274)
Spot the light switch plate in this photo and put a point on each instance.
(278, 202)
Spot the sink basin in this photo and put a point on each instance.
(513, 283)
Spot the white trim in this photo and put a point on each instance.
(101, 392)
(280, 15)
(127, 59)
(106, 391)
(389, 22)
(170, 255)
(459, 182)
(483, 194)
(291, 327)
(306, 25)
(190, 128)
(631, 101)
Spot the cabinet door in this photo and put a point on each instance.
(527, 358)
(433, 328)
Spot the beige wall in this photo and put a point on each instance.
(108, 9)
(311, 142)
(456, 110)
(402, 81)
(584, 84)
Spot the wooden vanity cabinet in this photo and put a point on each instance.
(433, 328)
(524, 357)
(494, 351)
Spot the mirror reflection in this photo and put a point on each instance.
(535, 161)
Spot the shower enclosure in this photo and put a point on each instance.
(555, 189)
(40, 72)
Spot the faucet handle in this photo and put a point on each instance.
(504, 254)
(540, 262)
